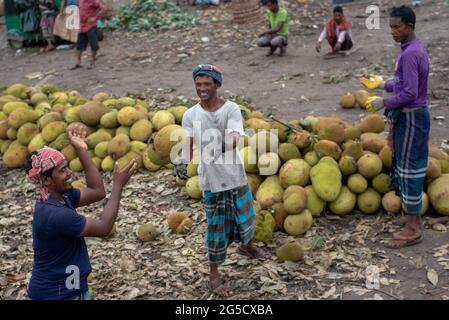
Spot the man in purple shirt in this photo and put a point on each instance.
(409, 120)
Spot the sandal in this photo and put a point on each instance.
(220, 288)
(398, 243)
(76, 66)
(258, 254)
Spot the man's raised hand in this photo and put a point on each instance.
(77, 135)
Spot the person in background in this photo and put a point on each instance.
(337, 32)
(277, 34)
(90, 12)
(48, 14)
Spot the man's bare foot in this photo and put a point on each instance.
(283, 51)
(253, 252)
(220, 288)
(271, 52)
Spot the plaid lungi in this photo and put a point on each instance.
(410, 154)
(230, 217)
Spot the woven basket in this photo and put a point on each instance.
(246, 11)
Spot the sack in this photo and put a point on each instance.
(60, 29)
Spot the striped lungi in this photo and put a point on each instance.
(230, 217)
(410, 153)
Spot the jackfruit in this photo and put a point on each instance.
(347, 165)
(347, 101)
(297, 224)
(19, 117)
(249, 158)
(361, 96)
(69, 153)
(36, 143)
(357, 183)
(147, 232)
(52, 130)
(178, 112)
(269, 192)
(369, 165)
(290, 251)
(381, 183)
(279, 215)
(18, 90)
(314, 203)
(327, 148)
(369, 201)
(334, 132)
(391, 202)
(433, 168)
(101, 149)
(193, 188)
(257, 124)
(373, 123)
(15, 155)
(107, 165)
(48, 118)
(345, 202)
(91, 112)
(311, 158)
(169, 137)
(27, 132)
(438, 191)
(141, 130)
(372, 142)
(179, 222)
(95, 138)
(294, 199)
(326, 179)
(268, 164)
(294, 172)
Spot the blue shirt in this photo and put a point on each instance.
(59, 249)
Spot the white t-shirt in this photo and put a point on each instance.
(341, 34)
(218, 171)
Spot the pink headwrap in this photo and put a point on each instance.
(46, 159)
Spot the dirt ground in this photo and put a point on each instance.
(299, 84)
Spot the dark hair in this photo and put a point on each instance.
(28, 165)
(338, 9)
(265, 2)
(405, 13)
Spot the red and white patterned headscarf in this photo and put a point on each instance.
(46, 159)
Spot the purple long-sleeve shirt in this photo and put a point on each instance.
(409, 86)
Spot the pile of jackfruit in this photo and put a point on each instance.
(119, 129)
(295, 172)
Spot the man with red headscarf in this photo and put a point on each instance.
(61, 261)
(338, 33)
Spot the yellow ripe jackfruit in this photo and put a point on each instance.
(294, 172)
(19, 117)
(52, 130)
(369, 201)
(141, 130)
(297, 224)
(193, 188)
(269, 192)
(326, 180)
(15, 155)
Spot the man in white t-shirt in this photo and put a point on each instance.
(215, 127)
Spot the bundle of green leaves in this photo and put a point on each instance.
(152, 15)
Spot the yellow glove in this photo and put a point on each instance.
(372, 82)
(374, 104)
